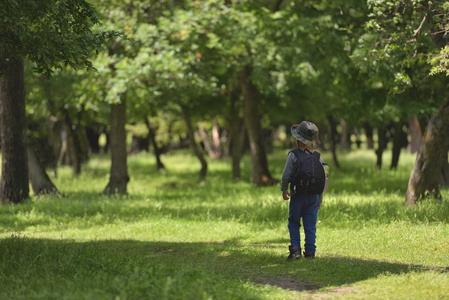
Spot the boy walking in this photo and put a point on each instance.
(305, 173)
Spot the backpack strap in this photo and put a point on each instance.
(298, 152)
(316, 154)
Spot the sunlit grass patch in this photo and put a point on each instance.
(220, 238)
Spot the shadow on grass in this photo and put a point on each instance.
(137, 269)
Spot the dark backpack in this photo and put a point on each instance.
(308, 175)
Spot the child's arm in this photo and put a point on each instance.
(286, 175)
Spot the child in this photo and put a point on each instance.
(302, 205)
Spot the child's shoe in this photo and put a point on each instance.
(309, 255)
(295, 253)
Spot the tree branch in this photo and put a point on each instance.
(423, 21)
(420, 26)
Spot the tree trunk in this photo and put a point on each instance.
(157, 151)
(344, 139)
(139, 144)
(398, 143)
(369, 135)
(423, 121)
(14, 186)
(381, 145)
(333, 140)
(193, 145)
(216, 139)
(93, 138)
(213, 149)
(40, 181)
(69, 153)
(415, 135)
(205, 140)
(260, 174)
(431, 166)
(118, 179)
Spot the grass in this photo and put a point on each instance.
(175, 237)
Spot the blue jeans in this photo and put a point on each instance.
(305, 207)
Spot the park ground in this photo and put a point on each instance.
(175, 237)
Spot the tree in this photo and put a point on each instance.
(407, 34)
(317, 80)
(39, 179)
(157, 150)
(67, 117)
(118, 179)
(169, 72)
(190, 58)
(260, 174)
(431, 167)
(234, 44)
(126, 59)
(14, 182)
(52, 34)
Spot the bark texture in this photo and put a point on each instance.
(118, 179)
(260, 175)
(40, 182)
(431, 167)
(14, 186)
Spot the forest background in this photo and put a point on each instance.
(211, 89)
(167, 72)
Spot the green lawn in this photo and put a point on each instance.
(174, 237)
